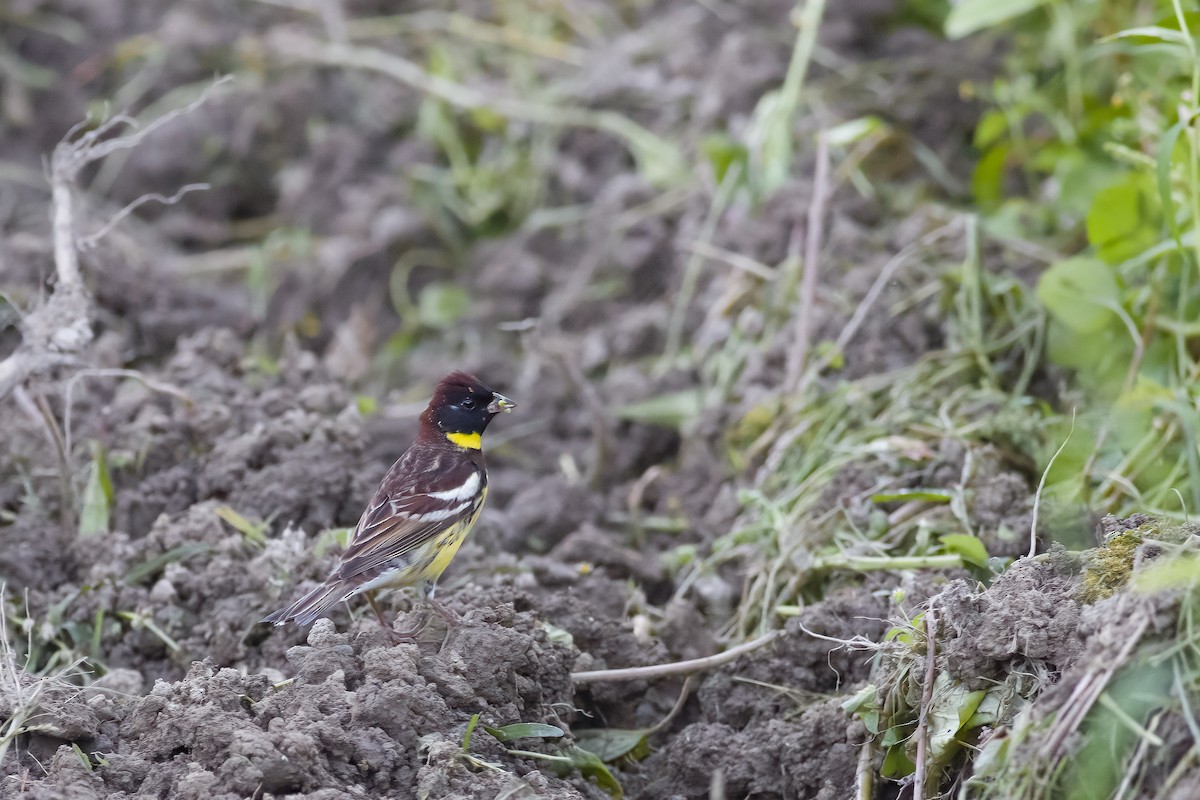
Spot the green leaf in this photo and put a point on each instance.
(366, 405)
(989, 710)
(669, 410)
(854, 130)
(969, 16)
(987, 180)
(97, 496)
(1079, 292)
(924, 495)
(991, 127)
(1167, 574)
(863, 698)
(723, 152)
(466, 740)
(87, 762)
(1150, 32)
(331, 537)
(590, 766)
(441, 305)
(524, 730)
(951, 708)
(254, 532)
(897, 764)
(609, 744)
(865, 705)
(153, 565)
(771, 133)
(1166, 153)
(969, 547)
(1122, 220)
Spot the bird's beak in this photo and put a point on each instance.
(500, 403)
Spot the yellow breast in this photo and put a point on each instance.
(440, 550)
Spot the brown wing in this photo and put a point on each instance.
(423, 494)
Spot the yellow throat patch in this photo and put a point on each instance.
(467, 441)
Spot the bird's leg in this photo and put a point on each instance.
(428, 588)
(378, 611)
(403, 636)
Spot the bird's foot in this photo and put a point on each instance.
(453, 620)
(408, 634)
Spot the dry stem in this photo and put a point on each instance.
(61, 328)
(675, 668)
(926, 700)
(798, 357)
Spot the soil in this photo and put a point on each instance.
(249, 397)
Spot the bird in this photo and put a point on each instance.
(422, 512)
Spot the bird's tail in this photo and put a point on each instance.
(311, 606)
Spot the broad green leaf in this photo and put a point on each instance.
(442, 304)
(990, 707)
(669, 410)
(1079, 292)
(590, 766)
(609, 744)
(897, 764)
(97, 495)
(723, 151)
(969, 16)
(864, 704)
(854, 130)
(863, 698)
(1122, 220)
(991, 126)
(524, 730)
(1081, 175)
(969, 547)
(987, 180)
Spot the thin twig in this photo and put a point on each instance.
(675, 668)
(814, 236)
(885, 277)
(926, 700)
(150, 383)
(91, 239)
(691, 270)
(735, 260)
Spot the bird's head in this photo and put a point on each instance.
(461, 408)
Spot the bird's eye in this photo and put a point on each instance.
(469, 403)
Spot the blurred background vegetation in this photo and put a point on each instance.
(481, 183)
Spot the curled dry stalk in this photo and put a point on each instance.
(60, 329)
